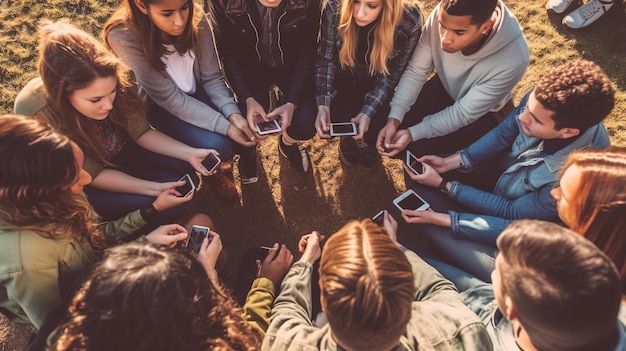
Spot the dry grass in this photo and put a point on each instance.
(285, 205)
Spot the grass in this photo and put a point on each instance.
(284, 205)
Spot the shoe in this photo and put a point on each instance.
(587, 14)
(296, 154)
(223, 186)
(247, 166)
(560, 6)
(348, 151)
(368, 156)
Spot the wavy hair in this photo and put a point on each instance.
(599, 205)
(566, 291)
(69, 60)
(38, 169)
(144, 296)
(141, 25)
(367, 287)
(578, 92)
(384, 33)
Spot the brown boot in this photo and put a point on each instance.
(222, 183)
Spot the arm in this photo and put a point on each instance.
(160, 143)
(325, 65)
(161, 88)
(121, 229)
(428, 282)
(114, 180)
(258, 304)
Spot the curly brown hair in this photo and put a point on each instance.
(38, 168)
(69, 60)
(579, 93)
(149, 297)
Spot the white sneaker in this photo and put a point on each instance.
(559, 6)
(587, 14)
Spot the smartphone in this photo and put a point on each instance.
(187, 188)
(211, 162)
(379, 218)
(343, 129)
(411, 161)
(269, 127)
(264, 251)
(409, 200)
(196, 237)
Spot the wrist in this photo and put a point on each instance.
(149, 214)
(444, 185)
(393, 122)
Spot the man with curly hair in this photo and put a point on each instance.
(510, 171)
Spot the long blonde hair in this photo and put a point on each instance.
(384, 32)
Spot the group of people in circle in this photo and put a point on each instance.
(92, 157)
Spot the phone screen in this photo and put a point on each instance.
(341, 128)
(411, 202)
(210, 162)
(268, 127)
(186, 188)
(379, 218)
(196, 237)
(264, 251)
(413, 163)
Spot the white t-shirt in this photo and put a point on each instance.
(180, 68)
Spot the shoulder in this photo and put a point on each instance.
(24, 250)
(32, 98)
(411, 21)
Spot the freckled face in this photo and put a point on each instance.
(95, 101)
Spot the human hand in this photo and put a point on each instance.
(399, 141)
(436, 162)
(322, 122)
(255, 114)
(391, 226)
(196, 158)
(157, 188)
(430, 177)
(426, 217)
(386, 137)
(170, 198)
(210, 250)
(275, 265)
(167, 235)
(309, 246)
(363, 124)
(284, 114)
(239, 136)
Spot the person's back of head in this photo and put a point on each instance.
(149, 297)
(480, 10)
(566, 292)
(578, 92)
(367, 287)
(597, 209)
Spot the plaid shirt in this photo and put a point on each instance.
(407, 35)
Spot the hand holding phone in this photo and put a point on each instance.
(379, 218)
(196, 236)
(268, 127)
(411, 161)
(264, 251)
(211, 162)
(343, 129)
(187, 188)
(409, 200)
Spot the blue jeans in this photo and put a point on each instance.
(188, 133)
(141, 163)
(473, 257)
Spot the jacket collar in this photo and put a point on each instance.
(241, 7)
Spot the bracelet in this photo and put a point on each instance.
(149, 214)
(442, 185)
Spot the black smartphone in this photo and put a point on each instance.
(187, 188)
(379, 218)
(196, 237)
(211, 162)
(411, 161)
(264, 251)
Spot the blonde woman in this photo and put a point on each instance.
(364, 48)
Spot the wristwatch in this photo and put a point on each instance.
(442, 185)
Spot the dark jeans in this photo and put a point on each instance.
(187, 133)
(348, 102)
(470, 256)
(141, 163)
(303, 122)
(434, 98)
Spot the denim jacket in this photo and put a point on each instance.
(439, 318)
(523, 190)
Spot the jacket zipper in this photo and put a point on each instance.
(256, 32)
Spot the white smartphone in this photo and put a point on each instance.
(343, 129)
(379, 218)
(211, 162)
(411, 161)
(409, 200)
(196, 237)
(264, 251)
(269, 127)
(187, 188)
